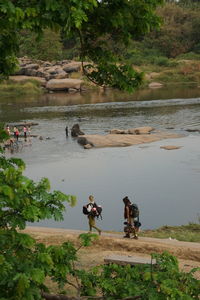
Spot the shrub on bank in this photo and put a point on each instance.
(188, 233)
(9, 88)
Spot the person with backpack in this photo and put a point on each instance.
(92, 210)
(131, 214)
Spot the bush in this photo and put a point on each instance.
(47, 47)
(16, 89)
(189, 56)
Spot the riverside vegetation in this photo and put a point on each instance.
(26, 264)
(169, 55)
(187, 233)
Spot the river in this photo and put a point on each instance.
(165, 184)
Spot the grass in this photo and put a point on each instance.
(187, 233)
(9, 88)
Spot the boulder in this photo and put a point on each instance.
(32, 66)
(88, 146)
(64, 84)
(61, 75)
(138, 130)
(76, 131)
(116, 131)
(72, 67)
(28, 69)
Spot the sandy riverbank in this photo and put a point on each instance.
(187, 253)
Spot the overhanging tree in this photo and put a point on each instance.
(94, 22)
(24, 263)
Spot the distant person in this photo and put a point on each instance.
(25, 131)
(17, 133)
(92, 210)
(8, 129)
(131, 215)
(14, 131)
(66, 131)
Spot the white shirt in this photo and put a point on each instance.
(90, 206)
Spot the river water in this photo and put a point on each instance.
(165, 184)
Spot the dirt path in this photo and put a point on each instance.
(111, 243)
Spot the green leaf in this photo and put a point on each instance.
(87, 238)
(37, 275)
(22, 284)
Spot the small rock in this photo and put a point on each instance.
(170, 147)
(87, 146)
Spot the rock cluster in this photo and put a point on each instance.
(139, 130)
(53, 76)
(123, 138)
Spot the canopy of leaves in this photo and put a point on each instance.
(94, 22)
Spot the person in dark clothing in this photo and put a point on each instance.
(66, 131)
(76, 131)
(130, 220)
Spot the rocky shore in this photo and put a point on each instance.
(53, 76)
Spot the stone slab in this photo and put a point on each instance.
(123, 140)
(128, 260)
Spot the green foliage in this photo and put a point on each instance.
(9, 88)
(189, 56)
(160, 281)
(93, 22)
(179, 33)
(47, 47)
(87, 239)
(123, 77)
(23, 200)
(24, 263)
(189, 232)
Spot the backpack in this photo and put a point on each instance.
(98, 211)
(94, 213)
(85, 211)
(134, 210)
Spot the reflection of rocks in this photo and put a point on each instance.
(123, 140)
(75, 131)
(155, 85)
(170, 147)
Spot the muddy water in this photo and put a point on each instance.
(165, 184)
